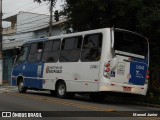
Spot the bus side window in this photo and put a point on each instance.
(22, 55)
(35, 52)
(51, 51)
(70, 49)
(91, 50)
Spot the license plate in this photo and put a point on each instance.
(126, 88)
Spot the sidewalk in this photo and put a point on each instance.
(5, 83)
(6, 87)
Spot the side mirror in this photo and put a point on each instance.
(114, 63)
(18, 50)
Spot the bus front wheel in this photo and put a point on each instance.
(21, 87)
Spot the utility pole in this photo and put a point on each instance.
(1, 57)
(50, 22)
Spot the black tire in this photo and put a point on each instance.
(61, 90)
(21, 87)
(97, 97)
(53, 92)
(70, 95)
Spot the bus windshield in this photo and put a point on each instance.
(130, 43)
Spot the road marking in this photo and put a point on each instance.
(82, 106)
(67, 103)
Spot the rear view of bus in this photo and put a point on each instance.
(131, 58)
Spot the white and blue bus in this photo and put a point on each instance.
(94, 62)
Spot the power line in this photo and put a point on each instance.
(32, 7)
(35, 20)
(31, 29)
(25, 31)
(36, 7)
(33, 37)
(20, 8)
(32, 21)
(32, 18)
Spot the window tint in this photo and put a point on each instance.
(131, 43)
(23, 54)
(92, 45)
(48, 46)
(51, 51)
(70, 49)
(35, 52)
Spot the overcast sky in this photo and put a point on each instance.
(12, 7)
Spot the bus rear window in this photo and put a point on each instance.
(130, 43)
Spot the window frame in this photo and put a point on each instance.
(23, 46)
(35, 52)
(78, 36)
(98, 33)
(60, 41)
(131, 54)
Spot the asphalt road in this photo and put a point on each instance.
(78, 108)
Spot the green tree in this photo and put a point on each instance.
(142, 16)
(56, 15)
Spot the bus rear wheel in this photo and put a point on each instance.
(61, 90)
(97, 97)
(21, 87)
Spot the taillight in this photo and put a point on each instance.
(107, 70)
(147, 76)
(107, 65)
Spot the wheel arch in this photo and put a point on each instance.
(19, 78)
(58, 81)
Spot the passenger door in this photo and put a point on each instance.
(34, 67)
(20, 62)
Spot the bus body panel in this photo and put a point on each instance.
(129, 76)
(31, 74)
(77, 75)
(138, 71)
(129, 71)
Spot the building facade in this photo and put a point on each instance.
(24, 27)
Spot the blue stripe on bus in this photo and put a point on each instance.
(14, 82)
(30, 74)
(33, 83)
(138, 71)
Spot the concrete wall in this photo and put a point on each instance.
(30, 22)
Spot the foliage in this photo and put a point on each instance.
(40, 1)
(56, 15)
(142, 16)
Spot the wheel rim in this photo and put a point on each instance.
(20, 86)
(61, 89)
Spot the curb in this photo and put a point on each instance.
(146, 104)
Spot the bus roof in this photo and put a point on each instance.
(67, 35)
(79, 33)
(36, 40)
